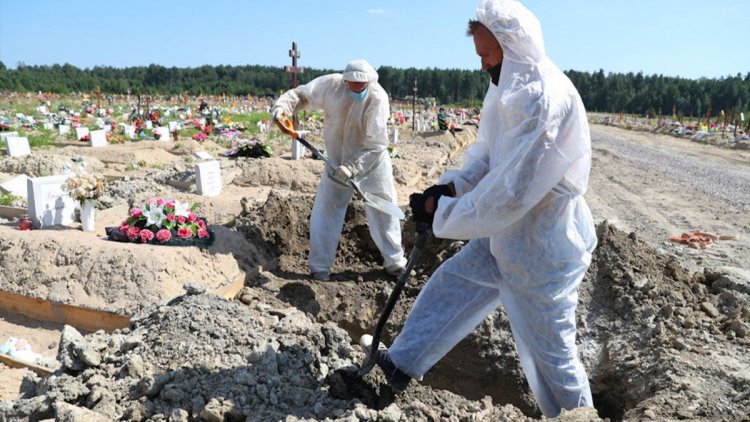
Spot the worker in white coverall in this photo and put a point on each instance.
(518, 200)
(356, 110)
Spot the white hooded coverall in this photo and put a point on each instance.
(520, 204)
(355, 135)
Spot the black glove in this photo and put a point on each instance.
(416, 202)
(437, 191)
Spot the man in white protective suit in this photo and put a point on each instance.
(356, 111)
(518, 200)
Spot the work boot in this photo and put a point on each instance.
(395, 270)
(321, 275)
(396, 379)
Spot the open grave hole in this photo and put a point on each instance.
(653, 336)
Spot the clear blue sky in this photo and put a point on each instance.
(685, 38)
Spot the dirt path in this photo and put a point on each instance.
(660, 186)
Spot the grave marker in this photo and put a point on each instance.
(7, 135)
(163, 133)
(81, 132)
(99, 138)
(208, 178)
(18, 146)
(17, 186)
(49, 204)
(63, 129)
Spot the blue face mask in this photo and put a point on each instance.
(359, 96)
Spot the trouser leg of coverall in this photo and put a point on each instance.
(326, 223)
(546, 347)
(459, 295)
(385, 231)
(449, 307)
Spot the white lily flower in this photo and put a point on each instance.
(154, 215)
(181, 209)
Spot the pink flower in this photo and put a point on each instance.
(160, 201)
(124, 227)
(184, 232)
(169, 204)
(146, 236)
(170, 218)
(191, 217)
(200, 223)
(163, 235)
(181, 219)
(203, 233)
(133, 232)
(136, 212)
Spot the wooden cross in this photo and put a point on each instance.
(98, 97)
(294, 70)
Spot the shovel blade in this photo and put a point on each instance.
(381, 204)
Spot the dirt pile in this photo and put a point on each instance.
(202, 358)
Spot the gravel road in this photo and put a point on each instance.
(659, 186)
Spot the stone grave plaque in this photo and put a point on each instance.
(81, 132)
(208, 178)
(4, 135)
(18, 146)
(49, 204)
(99, 138)
(17, 186)
(163, 133)
(129, 131)
(63, 129)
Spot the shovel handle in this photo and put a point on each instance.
(424, 231)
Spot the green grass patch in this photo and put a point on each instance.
(6, 199)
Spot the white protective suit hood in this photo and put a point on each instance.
(360, 71)
(516, 29)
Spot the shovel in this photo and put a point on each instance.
(424, 231)
(380, 204)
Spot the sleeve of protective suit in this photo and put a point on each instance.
(308, 96)
(476, 165)
(375, 121)
(537, 154)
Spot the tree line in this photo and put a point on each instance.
(612, 92)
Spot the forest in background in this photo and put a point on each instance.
(633, 93)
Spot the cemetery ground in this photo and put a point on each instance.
(239, 330)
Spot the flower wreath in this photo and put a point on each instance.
(164, 222)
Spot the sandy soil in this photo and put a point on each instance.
(661, 341)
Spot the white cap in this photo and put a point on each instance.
(360, 71)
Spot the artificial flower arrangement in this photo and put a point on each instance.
(162, 221)
(85, 186)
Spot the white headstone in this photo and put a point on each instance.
(208, 178)
(298, 150)
(18, 146)
(17, 186)
(163, 133)
(203, 155)
(129, 131)
(48, 126)
(149, 125)
(64, 129)
(4, 135)
(49, 204)
(81, 132)
(99, 138)
(395, 135)
(173, 126)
